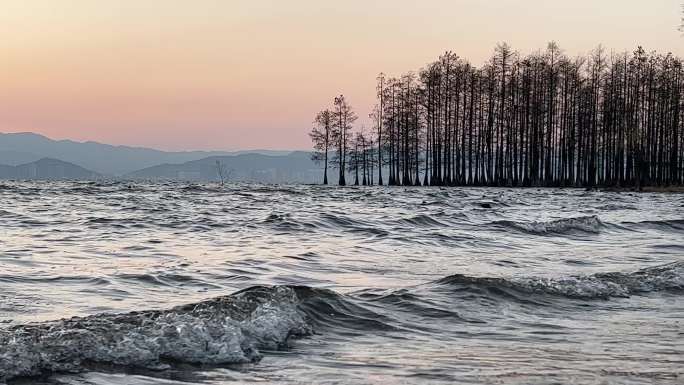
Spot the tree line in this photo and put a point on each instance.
(544, 119)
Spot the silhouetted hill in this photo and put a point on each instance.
(295, 167)
(48, 169)
(15, 158)
(19, 148)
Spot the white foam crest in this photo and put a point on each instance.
(221, 331)
(575, 287)
(604, 285)
(588, 224)
(668, 277)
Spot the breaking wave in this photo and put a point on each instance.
(235, 329)
(224, 330)
(668, 277)
(588, 224)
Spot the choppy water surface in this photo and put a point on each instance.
(176, 283)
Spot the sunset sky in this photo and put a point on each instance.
(232, 74)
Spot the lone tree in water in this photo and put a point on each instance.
(343, 122)
(321, 135)
(222, 172)
(376, 115)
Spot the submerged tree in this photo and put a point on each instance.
(342, 124)
(222, 172)
(377, 118)
(360, 158)
(332, 132)
(321, 136)
(544, 119)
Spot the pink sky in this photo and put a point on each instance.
(230, 74)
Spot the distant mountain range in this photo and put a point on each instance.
(295, 167)
(106, 159)
(33, 156)
(47, 168)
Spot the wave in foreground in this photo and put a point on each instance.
(224, 330)
(233, 329)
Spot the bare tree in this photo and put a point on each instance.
(222, 172)
(321, 136)
(605, 119)
(343, 122)
(378, 119)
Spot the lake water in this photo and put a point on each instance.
(184, 283)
